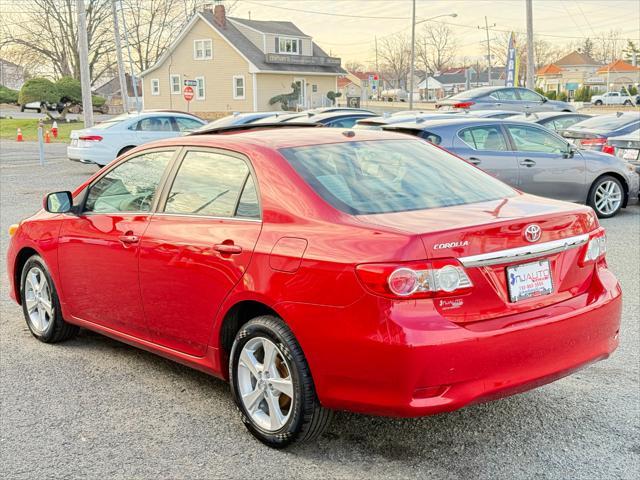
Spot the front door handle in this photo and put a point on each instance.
(129, 239)
(527, 162)
(227, 248)
(474, 160)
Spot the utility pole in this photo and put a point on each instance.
(83, 52)
(375, 38)
(530, 81)
(133, 74)
(486, 27)
(413, 54)
(124, 92)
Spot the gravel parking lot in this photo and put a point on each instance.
(95, 408)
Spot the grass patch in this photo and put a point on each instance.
(29, 127)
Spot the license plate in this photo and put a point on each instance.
(629, 153)
(529, 280)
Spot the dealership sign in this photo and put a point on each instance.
(511, 77)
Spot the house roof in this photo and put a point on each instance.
(343, 82)
(551, 69)
(271, 26)
(257, 56)
(576, 58)
(112, 87)
(618, 66)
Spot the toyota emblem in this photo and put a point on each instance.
(532, 233)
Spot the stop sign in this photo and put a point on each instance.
(188, 93)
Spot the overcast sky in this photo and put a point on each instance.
(351, 38)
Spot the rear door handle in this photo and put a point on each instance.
(474, 160)
(527, 162)
(128, 239)
(229, 249)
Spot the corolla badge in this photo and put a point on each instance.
(532, 233)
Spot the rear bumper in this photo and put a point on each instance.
(428, 365)
(95, 154)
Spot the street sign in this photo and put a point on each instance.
(188, 93)
(190, 83)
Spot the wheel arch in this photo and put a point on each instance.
(617, 176)
(124, 150)
(21, 258)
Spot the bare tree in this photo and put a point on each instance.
(394, 53)
(47, 31)
(608, 46)
(354, 66)
(436, 48)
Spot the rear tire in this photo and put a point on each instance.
(628, 102)
(41, 305)
(598, 102)
(606, 196)
(296, 417)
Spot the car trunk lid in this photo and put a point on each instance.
(488, 238)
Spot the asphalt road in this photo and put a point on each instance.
(95, 408)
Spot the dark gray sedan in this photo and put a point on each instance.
(535, 160)
(517, 99)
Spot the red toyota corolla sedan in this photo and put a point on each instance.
(319, 270)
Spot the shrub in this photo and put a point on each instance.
(633, 91)
(38, 89)
(69, 90)
(551, 95)
(583, 94)
(8, 95)
(562, 96)
(539, 90)
(98, 101)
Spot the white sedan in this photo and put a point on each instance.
(107, 140)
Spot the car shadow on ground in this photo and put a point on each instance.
(469, 431)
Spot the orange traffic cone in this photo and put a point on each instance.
(47, 137)
(19, 138)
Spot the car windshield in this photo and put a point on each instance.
(607, 122)
(384, 176)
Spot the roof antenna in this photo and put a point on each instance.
(249, 14)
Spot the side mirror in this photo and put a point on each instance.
(58, 202)
(570, 152)
(545, 99)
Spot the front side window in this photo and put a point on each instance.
(288, 45)
(155, 124)
(155, 86)
(212, 184)
(506, 94)
(383, 176)
(529, 96)
(130, 186)
(238, 87)
(484, 138)
(202, 49)
(532, 139)
(175, 84)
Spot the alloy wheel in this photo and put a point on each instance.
(265, 384)
(38, 300)
(608, 197)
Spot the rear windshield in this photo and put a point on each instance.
(607, 122)
(384, 176)
(474, 92)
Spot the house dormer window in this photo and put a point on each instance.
(288, 45)
(202, 49)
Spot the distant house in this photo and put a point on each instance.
(567, 74)
(111, 91)
(455, 80)
(11, 75)
(616, 76)
(352, 83)
(237, 64)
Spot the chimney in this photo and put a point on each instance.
(219, 15)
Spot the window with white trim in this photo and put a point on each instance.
(203, 49)
(289, 45)
(155, 86)
(174, 81)
(238, 87)
(200, 92)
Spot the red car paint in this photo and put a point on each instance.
(172, 292)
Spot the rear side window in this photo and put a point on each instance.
(391, 176)
(506, 94)
(155, 124)
(187, 124)
(484, 138)
(212, 184)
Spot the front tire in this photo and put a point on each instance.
(606, 196)
(41, 305)
(272, 386)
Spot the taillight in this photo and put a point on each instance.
(434, 278)
(596, 248)
(609, 149)
(90, 138)
(593, 143)
(463, 104)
